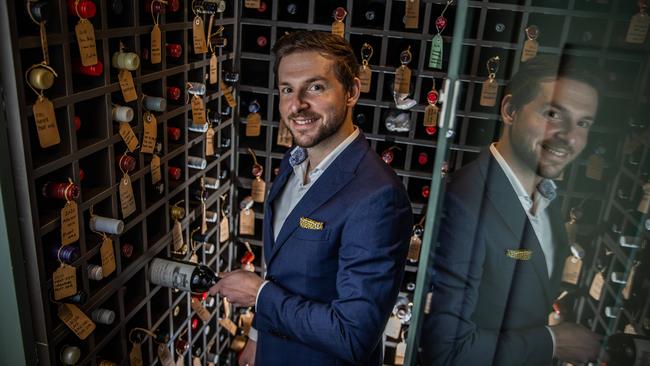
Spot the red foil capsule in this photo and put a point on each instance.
(127, 250)
(425, 191)
(77, 123)
(262, 41)
(432, 97)
(387, 156)
(200, 297)
(82, 175)
(92, 70)
(262, 7)
(174, 133)
(195, 323)
(173, 93)
(174, 50)
(181, 346)
(247, 258)
(61, 190)
(431, 130)
(84, 8)
(126, 163)
(423, 158)
(174, 172)
(173, 5)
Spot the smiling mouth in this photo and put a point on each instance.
(556, 151)
(302, 122)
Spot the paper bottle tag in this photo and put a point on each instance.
(198, 34)
(402, 80)
(412, 14)
(431, 115)
(253, 124)
(435, 56)
(156, 45)
(180, 361)
(393, 327)
(196, 361)
(127, 86)
(226, 90)
(258, 190)
(214, 69)
(194, 258)
(638, 29)
(628, 283)
(150, 132)
(414, 248)
(365, 75)
(571, 272)
(595, 167)
(338, 28)
(228, 324)
(554, 318)
(489, 91)
(400, 351)
(128, 136)
(108, 256)
(530, 50)
(48, 132)
(246, 321)
(198, 111)
(629, 329)
(165, 356)
(64, 281)
(86, 40)
(284, 136)
(127, 200)
(247, 222)
(76, 320)
(596, 288)
(135, 356)
(224, 230)
(209, 142)
(238, 343)
(201, 311)
(156, 174)
(69, 223)
(252, 4)
(177, 236)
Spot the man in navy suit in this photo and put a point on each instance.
(337, 222)
(502, 244)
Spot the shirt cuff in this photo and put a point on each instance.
(259, 290)
(252, 334)
(552, 338)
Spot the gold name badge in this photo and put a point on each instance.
(310, 224)
(519, 254)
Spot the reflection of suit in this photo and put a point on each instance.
(487, 307)
(331, 290)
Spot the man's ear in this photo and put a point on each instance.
(508, 110)
(354, 93)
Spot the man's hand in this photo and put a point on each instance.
(575, 343)
(240, 287)
(247, 355)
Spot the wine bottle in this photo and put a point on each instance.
(60, 190)
(126, 163)
(122, 113)
(174, 50)
(628, 350)
(174, 93)
(82, 8)
(156, 104)
(67, 254)
(195, 162)
(70, 355)
(39, 10)
(174, 173)
(185, 276)
(103, 316)
(91, 70)
(125, 60)
(174, 133)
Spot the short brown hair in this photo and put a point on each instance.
(328, 45)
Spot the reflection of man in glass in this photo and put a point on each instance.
(498, 265)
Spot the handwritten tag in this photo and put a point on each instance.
(530, 50)
(76, 320)
(135, 356)
(156, 174)
(64, 281)
(196, 361)
(435, 56)
(402, 80)
(198, 33)
(69, 223)
(214, 69)
(209, 142)
(165, 356)
(224, 230)
(128, 136)
(198, 111)
(430, 115)
(638, 28)
(227, 93)
(150, 132)
(228, 324)
(571, 272)
(284, 135)
(365, 75)
(127, 201)
(108, 256)
(489, 91)
(258, 190)
(253, 125)
(127, 86)
(595, 167)
(412, 14)
(247, 222)
(201, 311)
(596, 288)
(252, 4)
(338, 28)
(156, 45)
(86, 40)
(46, 127)
(393, 327)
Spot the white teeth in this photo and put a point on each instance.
(303, 121)
(555, 152)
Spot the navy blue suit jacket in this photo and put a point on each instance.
(488, 308)
(331, 291)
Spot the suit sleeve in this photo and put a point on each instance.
(449, 336)
(372, 254)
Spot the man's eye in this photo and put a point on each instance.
(555, 115)
(316, 87)
(584, 124)
(285, 90)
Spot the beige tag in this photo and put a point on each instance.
(48, 132)
(431, 115)
(150, 132)
(135, 356)
(258, 190)
(177, 236)
(595, 167)
(393, 327)
(246, 321)
(238, 343)
(572, 268)
(108, 256)
(201, 311)
(209, 142)
(226, 307)
(629, 329)
(338, 28)
(200, 46)
(180, 361)
(64, 281)
(69, 223)
(414, 248)
(165, 355)
(253, 124)
(400, 350)
(127, 86)
(247, 222)
(156, 45)
(194, 258)
(365, 75)
(128, 136)
(489, 91)
(554, 318)
(214, 69)
(127, 201)
(402, 80)
(196, 361)
(284, 136)
(412, 14)
(530, 50)
(76, 320)
(252, 4)
(228, 325)
(226, 90)
(198, 111)
(596, 288)
(86, 40)
(628, 283)
(156, 174)
(224, 230)
(638, 29)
